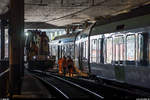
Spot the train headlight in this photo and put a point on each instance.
(48, 57)
(34, 57)
(26, 34)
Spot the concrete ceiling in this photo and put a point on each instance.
(64, 12)
(4, 6)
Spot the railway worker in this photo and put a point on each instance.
(64, 65)
(60, 65)
(70, 66)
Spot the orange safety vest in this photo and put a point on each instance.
(60, 64)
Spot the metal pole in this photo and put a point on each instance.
(2, 39)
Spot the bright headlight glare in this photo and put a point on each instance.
(26, 34)
(34, 57)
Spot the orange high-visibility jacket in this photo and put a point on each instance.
(60, 64)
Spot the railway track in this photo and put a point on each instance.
(65, 88)
(109, 89)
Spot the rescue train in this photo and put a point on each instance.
(37, 50)
(117, 51)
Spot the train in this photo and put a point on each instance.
(62, 45)
(37, 50)
(118, 51)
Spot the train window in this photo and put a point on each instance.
(131, 49)
(93, 50)
(143, 47)
(72, 50)
(86, 49)
(54, 51)
(99, 50)
(109, 50)
(70, 46)
(77, 50)
(6, 43)
(68, 50)
(60, 51)
(140, 47)
(118, 49)
(97, 57)
(63, 50)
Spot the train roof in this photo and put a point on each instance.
(122, 25)
(85, 32)
(72, 36)
(65, 38)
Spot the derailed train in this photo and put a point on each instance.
(117, 51)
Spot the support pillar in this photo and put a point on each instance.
(16, 46)
(2, 39)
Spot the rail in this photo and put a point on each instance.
(1, 74)
(4, 83)
(66, 87)
(102, 87)
(57, 90)
(74, 84)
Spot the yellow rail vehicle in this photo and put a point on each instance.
(37, 50)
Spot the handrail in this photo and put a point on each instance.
(1, 74)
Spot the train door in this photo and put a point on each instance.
(143, 54)
(62, 50)
(72, 50)
(85, 57)
(59, 51)
(118, 57)
(108, 50)
(68, 50)
(93, 50)
(77, 54)
(101, 52)
(81, 55)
